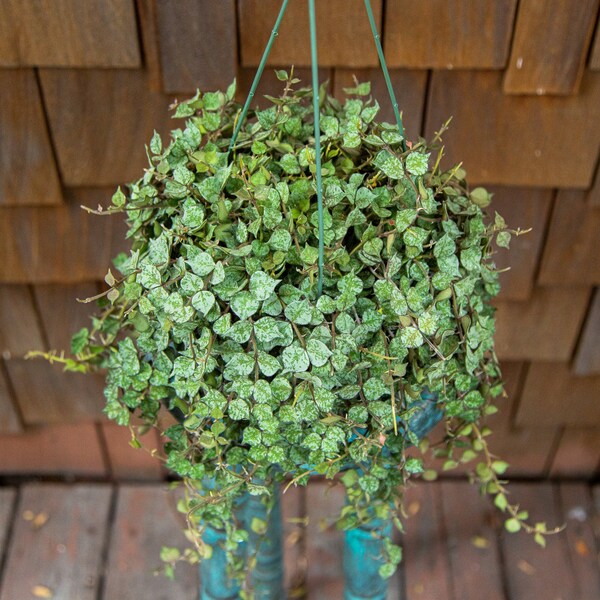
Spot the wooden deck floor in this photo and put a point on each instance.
(102, 542)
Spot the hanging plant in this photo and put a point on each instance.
(216, 312)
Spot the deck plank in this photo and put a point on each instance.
(471, 525)
(426, 566)
(146, 520)
(324, 546)
(7, 502)
(62, 555)
(294, 561)
(533, 572)
(578, 512)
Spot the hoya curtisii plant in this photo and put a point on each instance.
(215, 311)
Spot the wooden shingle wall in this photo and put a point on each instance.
(84, 84)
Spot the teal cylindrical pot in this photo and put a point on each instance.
(267, 548)
(363, 555)
(215, 583)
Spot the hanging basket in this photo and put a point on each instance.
(310, 294)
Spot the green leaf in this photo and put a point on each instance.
(262, 285)
(417, 163)
(471, 258)
(386, 570)
(389, 165)
(203, 302)
(512, 525)
(280, 240)
(149, 276)
(503, 239)
(262, 392)
(295, 359)
(239, 365)
(289, 163)
(240, 332)
(398, 302)
(368, 483)
(362, 89)
(193, 214)
(318, 352)
(80, 340)
(481, 197)
(374, 388)
(501, 502)
(299, 312)
(411, 337)
(118, 198)
(350, 284)
(238, 410)
(309, 255)
(266, 330)
(330, 126)
(405, 218)
(200, 262)
(244, 305)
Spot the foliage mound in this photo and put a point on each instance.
(216, 313)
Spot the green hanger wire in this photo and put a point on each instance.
(316, 109)
(386, 74)
(317, 125)
(259, 72)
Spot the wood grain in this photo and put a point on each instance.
(578, 453)
(294, 560)
(68, 33)
(100, 122)
(571, 252)
(146, 519)
(587, 358)
(146, 10)
(63, 450)
(528, 450)
(552, 396)
(59, 244)
(524, 208)
(550, 46)
(440, 34)
(409, 87)
(516, 140)
(426, 560)
(593, 196)
(61, 314)
(7, 506)
(20, 330)
(594, 63)
(28, 172)
(544, 328)
(343, 33)
(65, 554)
(10, 421)
(324, 544)
(133, 464)
(45, 394)
(533, 572)
(471, 526)
(577, 510)
(197, 42)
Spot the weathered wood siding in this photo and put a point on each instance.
(84, 84)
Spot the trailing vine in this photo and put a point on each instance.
(215, 312)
